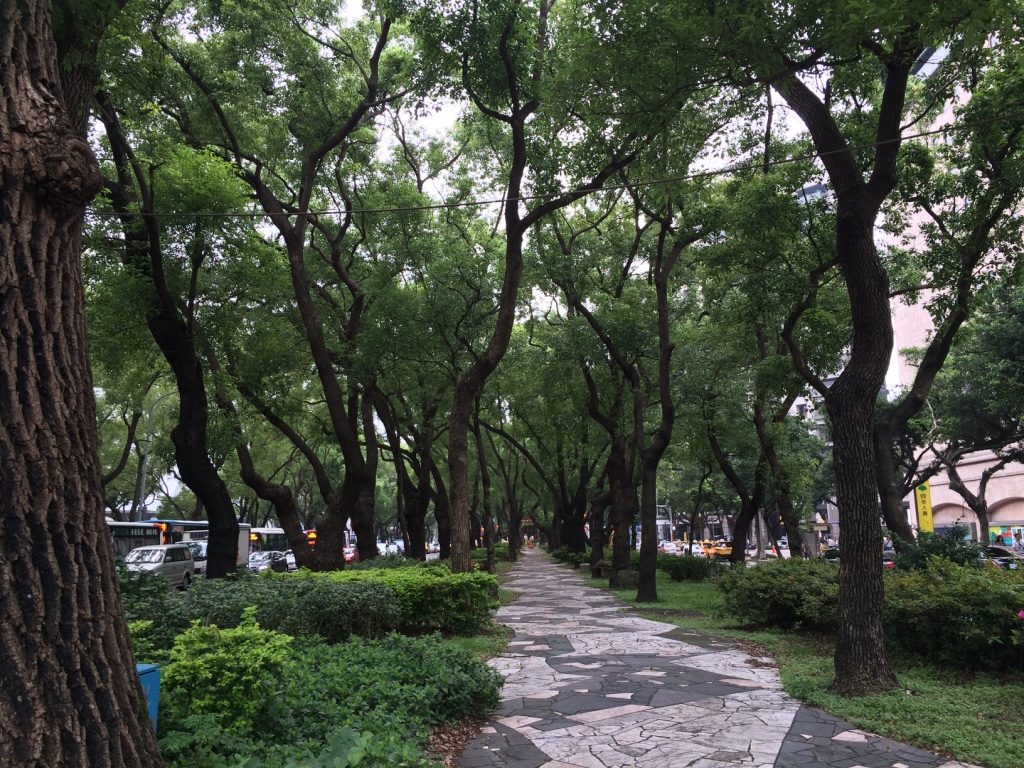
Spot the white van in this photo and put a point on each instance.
(172, 561)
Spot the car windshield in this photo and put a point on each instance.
(258, 556)
(198, 549)
(145, 556)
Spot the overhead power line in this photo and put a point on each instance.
(749, 165)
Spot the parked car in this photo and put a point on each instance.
(172, 561)
(668, 548)
(1003, 557)
(198, 549)
(697, 548)
(268, 560)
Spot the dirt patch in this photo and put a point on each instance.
(756, 650)
(448, 740)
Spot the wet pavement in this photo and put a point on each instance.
(590, 686)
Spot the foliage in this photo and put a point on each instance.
(952, 546)
(959, 616)
(386, 561)
(690, 568)
(298, 607)
(144, 594)
(254, 698)
(783, 593)
(480, 553)
(233, 675)
(432, 598)
(956, 615)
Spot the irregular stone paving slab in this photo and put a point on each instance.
(588, 686)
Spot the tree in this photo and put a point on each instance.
(509, 90)
(963, 198)
(856, 125)
(69, 694)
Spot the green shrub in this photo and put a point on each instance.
(233, 676)
(951, 546)
(296, 606)
(500, 553)
(432, 598)
(690, 568)
(783, 593)
(956, 615)
(258, 699)
(143, 594)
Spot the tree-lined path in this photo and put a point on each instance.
(588, 686)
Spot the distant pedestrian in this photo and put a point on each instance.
(1018, 544)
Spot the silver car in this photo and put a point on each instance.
(172, 561)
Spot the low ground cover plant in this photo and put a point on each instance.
(251, 697)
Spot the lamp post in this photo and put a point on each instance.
(140, 486)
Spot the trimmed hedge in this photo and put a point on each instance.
(431, 598)
(297, 607)
(690, 568)
(782, 593)
(500, 553)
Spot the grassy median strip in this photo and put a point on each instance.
(977, 718)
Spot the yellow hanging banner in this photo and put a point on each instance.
(923, 499)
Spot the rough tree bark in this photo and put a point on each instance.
(69, 694)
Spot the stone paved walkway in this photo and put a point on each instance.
(588, 686)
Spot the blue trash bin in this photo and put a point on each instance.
(149, 676)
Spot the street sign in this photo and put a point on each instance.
(923, 501)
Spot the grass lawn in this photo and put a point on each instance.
(976, 718)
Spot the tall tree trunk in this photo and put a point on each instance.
(598, 540)
(485, 491)
(889, 486)
(69, 693)
(861, 664)
(442, 512)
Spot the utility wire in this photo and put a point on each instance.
(727, 170)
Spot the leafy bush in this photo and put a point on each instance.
(299, 607)
(432, 598)
(956, 615)
(783, 593)
(253, 698)
(690, 568)
(143, 593)
(951, 546)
